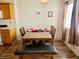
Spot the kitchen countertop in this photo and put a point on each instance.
(6, 28)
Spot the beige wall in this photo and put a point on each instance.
(27, 14)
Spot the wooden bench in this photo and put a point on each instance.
(45, 50)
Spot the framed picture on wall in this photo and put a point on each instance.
(50, 13)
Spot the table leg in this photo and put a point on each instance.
(52, 57)
(21, 57)
(23, 42)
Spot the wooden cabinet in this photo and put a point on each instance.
(8, 36)
(7, 10)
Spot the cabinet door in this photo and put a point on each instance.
(7, 12)
(11, 11)
(8, 36)
(12, 34)
(5, 36)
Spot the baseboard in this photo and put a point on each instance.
(73, 48)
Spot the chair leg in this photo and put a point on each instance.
(52, 42)
(23, 42)
(52, 57)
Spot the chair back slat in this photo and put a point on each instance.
(22, 31)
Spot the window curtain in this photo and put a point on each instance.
(64, 22)
(74, 29)
(77, 24)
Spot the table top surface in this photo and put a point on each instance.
(36, 49)
(37, 35)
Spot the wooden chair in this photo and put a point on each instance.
(22, 31)
(52, 32)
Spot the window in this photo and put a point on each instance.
(69, 15)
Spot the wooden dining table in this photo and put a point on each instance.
(29, 36)
(44, 51)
